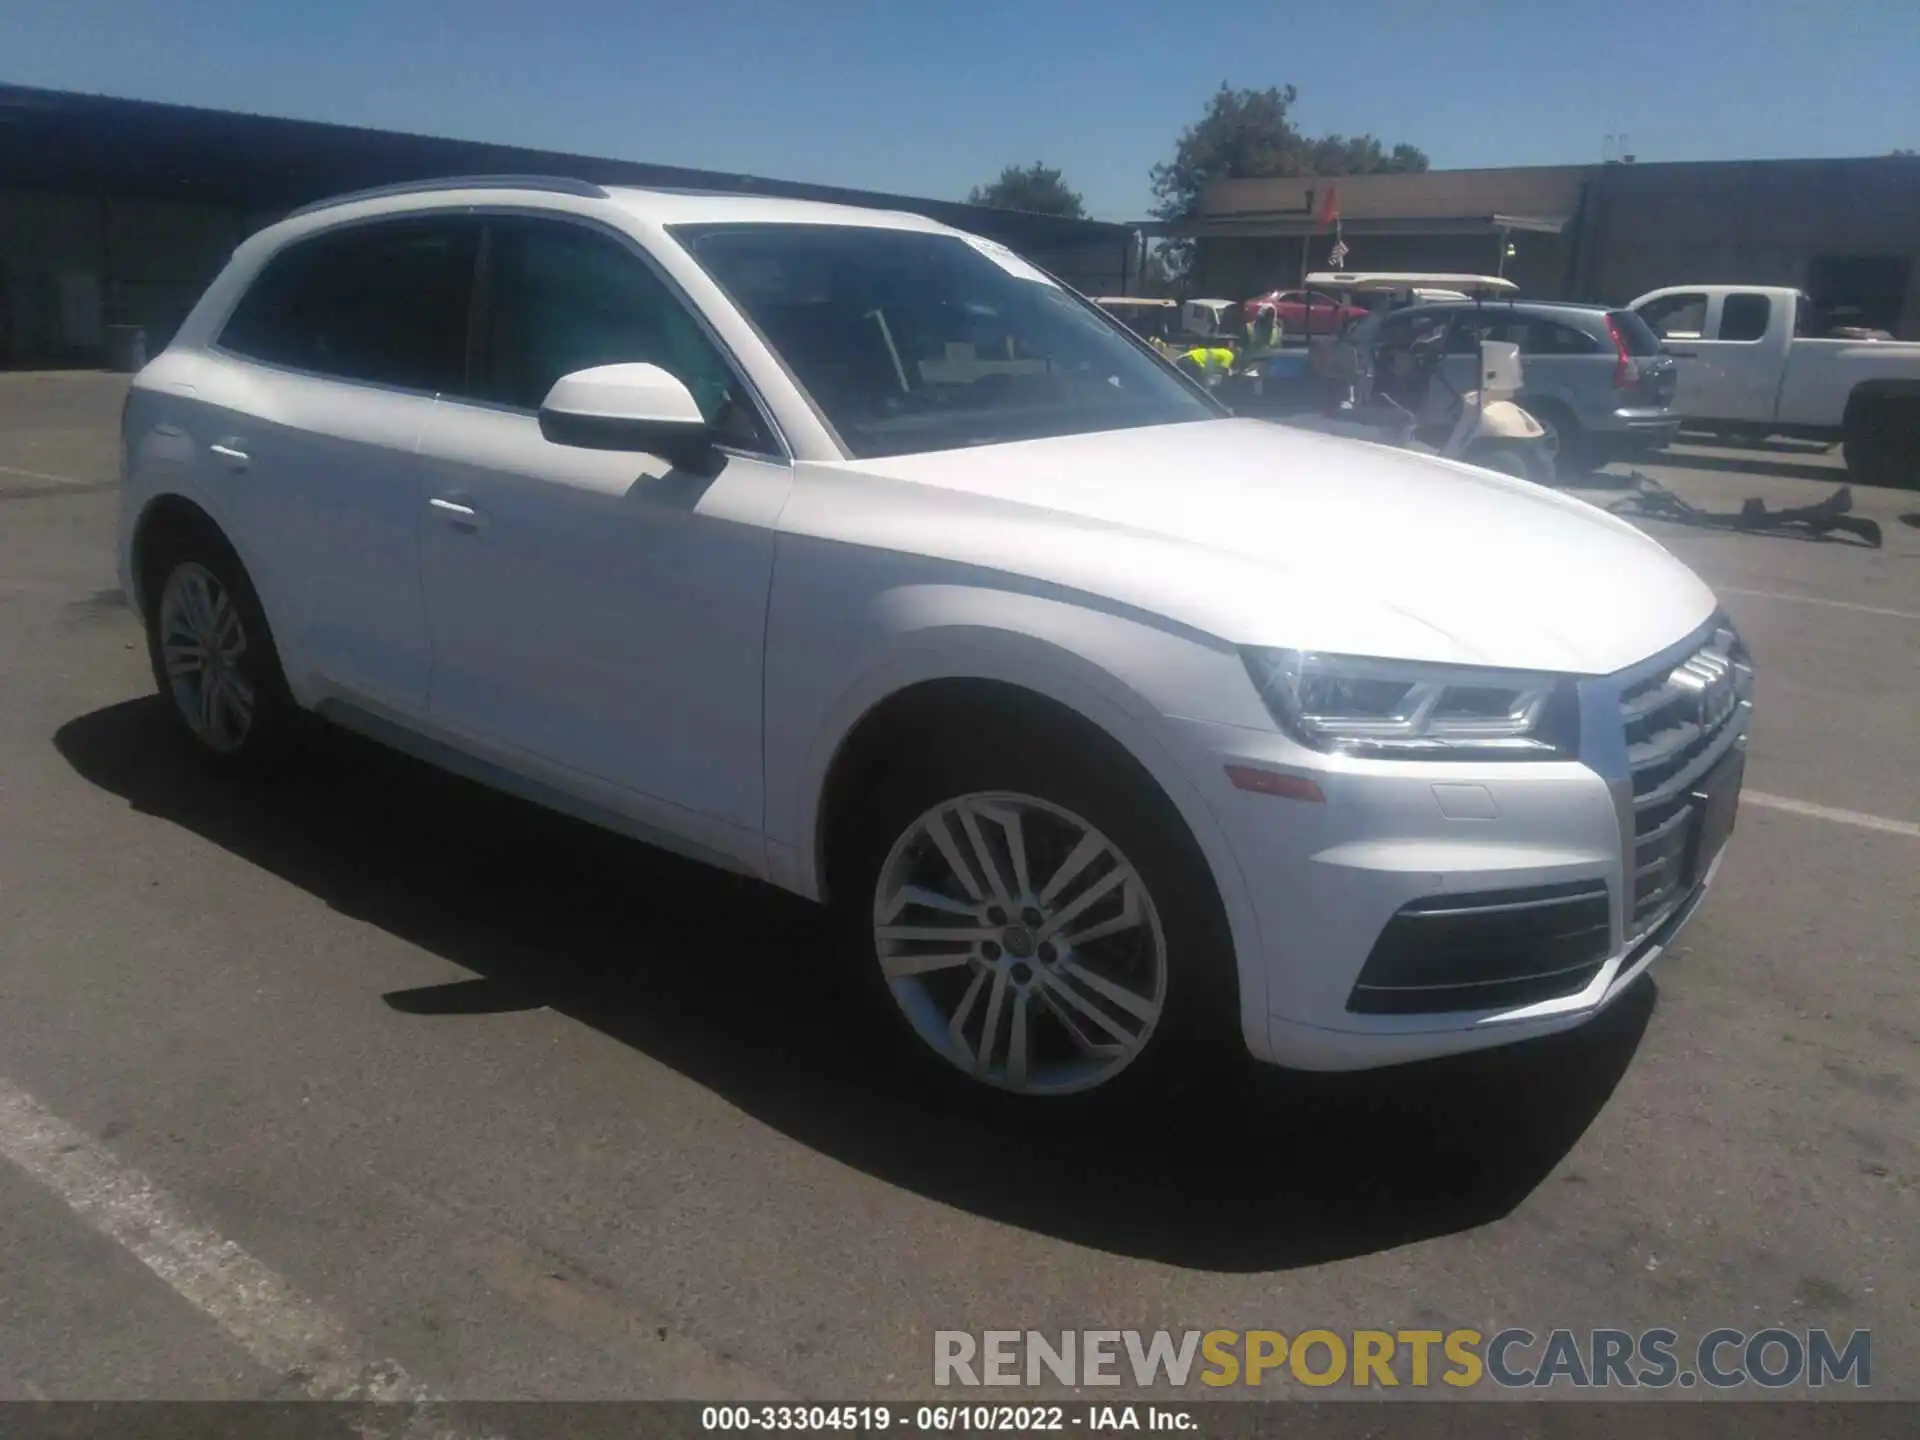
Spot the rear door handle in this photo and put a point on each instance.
(230, 453)
(458, 514)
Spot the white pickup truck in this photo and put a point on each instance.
(1753, 360)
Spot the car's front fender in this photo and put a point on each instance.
(1113, 670)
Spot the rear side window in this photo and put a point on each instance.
(1399, 329)
(1497, 324)
(1552, 337)
(1676, 317)
(384, 303)
(1634, 333)
(1745, 316)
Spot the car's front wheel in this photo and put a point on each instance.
(212, 657)
(1038, 922)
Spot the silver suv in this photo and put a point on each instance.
(1595, 378)
(855, 553)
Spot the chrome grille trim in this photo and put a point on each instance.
(1679, 715)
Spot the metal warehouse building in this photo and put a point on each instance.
(118, 212)
(1846, 231)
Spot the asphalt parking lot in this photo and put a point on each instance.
(451, 1093)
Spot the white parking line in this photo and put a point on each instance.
(282, 1329)
(42, 475)
(1827, 812)
(1816, 600)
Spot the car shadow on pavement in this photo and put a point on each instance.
(1783, 444)
(735, 985)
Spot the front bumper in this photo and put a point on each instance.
(1400, 851)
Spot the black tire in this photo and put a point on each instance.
(1881, 442)
(991, 749)
(192, 551)
(1522, 459)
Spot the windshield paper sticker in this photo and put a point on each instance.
(1006, 260)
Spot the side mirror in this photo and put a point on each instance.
(634, 407)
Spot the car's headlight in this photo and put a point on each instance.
(1397, 708)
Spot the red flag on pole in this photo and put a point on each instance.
(1330, 206)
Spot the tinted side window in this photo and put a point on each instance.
(1745, 317)
(1471, 328)
(385, 303)
(1403, 326)
(566, 298)
(1551, 337)
(1467, 332)
(1676, 317)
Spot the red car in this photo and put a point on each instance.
(1327, 314)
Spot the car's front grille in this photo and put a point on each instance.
(1679, 722)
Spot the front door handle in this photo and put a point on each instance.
(458, 514)
(230, 454)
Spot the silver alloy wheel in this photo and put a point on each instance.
(201, 645)
(1020, 943)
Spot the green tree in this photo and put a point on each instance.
(1250, 134)
(1036, 188)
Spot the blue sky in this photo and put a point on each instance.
(928, 98)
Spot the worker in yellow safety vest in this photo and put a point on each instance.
(1216, 361)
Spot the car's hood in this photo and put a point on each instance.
(1261, 534)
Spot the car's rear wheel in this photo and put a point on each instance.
(212, 656)
(1562, 444)
(1036, 922)
(1881, 441)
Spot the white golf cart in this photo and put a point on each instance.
(1207, 318)
(1385, 383)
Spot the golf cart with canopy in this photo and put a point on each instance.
(1387, 385)
(1207, 318)
(1148, 318)
(1189, 335)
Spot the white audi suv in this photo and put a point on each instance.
(856, 553)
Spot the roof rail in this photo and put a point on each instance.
(559, 184)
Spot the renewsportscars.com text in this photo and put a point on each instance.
(1771, 1358)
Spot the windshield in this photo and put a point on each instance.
(908, 342)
